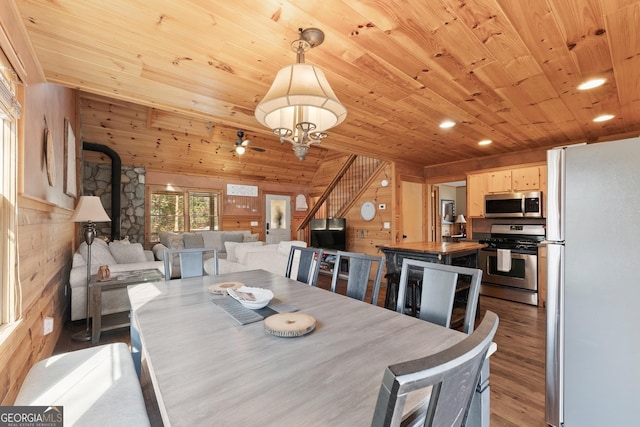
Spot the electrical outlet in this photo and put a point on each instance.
(254, 223)
(382, 206)
(386, 225)
(48, 325)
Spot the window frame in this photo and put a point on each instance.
(10, 109)
(186, 193)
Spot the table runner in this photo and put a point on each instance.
(244, 315)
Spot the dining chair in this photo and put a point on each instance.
(191, 262)
(360, 268)
(309, 260)
(452, 374)
(439, 286)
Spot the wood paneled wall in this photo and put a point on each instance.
(365, 236)
(45, 238)
(233, 220)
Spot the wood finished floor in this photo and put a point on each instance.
(517, 368)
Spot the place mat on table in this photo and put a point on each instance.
(245, 315)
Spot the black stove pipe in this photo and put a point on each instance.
(116, 179)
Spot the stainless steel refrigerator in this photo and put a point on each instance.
(593, 294)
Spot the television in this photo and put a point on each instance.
(329, 233)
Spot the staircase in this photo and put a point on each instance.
(343, 191)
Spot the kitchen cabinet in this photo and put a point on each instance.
(476, 189)
(499, 181)
(521, 179)
(530, 178)
(525, 179)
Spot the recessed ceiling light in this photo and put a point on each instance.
(447, 124)
(604, 118)
(485, 142)
(590, 84)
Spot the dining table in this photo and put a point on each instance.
(211, 363)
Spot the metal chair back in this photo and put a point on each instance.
(452, 374)
(360, 267)
(308, 260)
(191, 261)
(439, 286)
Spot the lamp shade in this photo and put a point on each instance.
(89, 208)
(460, 219)
(300, 93)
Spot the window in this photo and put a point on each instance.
(182, 210)
(203, 211)
(9, 278)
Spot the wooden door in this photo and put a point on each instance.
(412, 212)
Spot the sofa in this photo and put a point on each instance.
(243, 256)
(238, 250)
(209, 239)
(120, 256)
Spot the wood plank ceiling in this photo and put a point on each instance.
(168, 83)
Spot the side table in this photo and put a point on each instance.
(116, 281)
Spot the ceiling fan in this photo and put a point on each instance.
(242, 144)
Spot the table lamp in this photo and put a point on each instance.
(460, 220)
(89, 210)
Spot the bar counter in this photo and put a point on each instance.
(453, 253)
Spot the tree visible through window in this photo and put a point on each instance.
(203, 211)
(187, 210)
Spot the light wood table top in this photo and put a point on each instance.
(207, 369)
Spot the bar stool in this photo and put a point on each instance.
(414, 288)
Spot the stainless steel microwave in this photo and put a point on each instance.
(513, 205)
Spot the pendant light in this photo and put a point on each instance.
(300, 106)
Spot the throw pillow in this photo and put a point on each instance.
(127, 253)
(171, 240)
(193, 240)
(100, 254)
(246, 250)
(212, 240)
(253, 237)
(284, 247)
(233, 249)
(230, 237)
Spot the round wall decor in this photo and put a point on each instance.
(368, 211)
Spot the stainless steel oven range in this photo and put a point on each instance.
(509, 263)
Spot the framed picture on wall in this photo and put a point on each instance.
(70, 178)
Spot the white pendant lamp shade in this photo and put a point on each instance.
(300, 93)
(300, 106)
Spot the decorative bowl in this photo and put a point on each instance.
(253, 298)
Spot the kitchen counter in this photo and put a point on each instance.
(435, 248)
(456, 253)
(464, 254)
